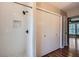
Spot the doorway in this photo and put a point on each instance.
(48, 32)
(73, 34)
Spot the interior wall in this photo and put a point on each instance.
(20, 50)
(51, 9)
(47, 34)
(33, 27)
(64, 34)
(27, 3)
(73, 12)
(58, 11)
(14, 42)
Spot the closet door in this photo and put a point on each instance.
(13, 27)
(47, 33)
(50, 33)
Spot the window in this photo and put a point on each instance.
(78, 28)
(72, 28)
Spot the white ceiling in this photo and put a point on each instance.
(65, 6)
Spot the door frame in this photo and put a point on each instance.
(60, 23)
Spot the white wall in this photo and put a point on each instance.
(13, 24)
(64, 33)
(47, 24)
(73, 12)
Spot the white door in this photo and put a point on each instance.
(47, 33)
(13, 26)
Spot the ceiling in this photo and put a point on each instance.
(65, 6)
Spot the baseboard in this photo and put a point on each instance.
(50, 52)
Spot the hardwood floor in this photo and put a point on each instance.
(65, 52)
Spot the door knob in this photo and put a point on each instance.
(44, 35)
(24, 12)
(27, 31)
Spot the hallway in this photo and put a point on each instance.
(65, 52)
(30, 29)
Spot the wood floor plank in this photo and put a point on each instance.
(64, 52)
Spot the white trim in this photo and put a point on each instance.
(51, 12)
(23, 5)
(34, 28)
(61, 33)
